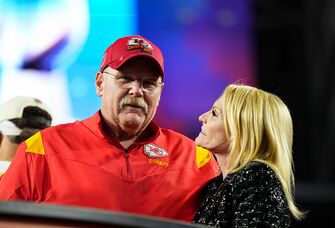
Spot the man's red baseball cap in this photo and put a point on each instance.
(128, 47)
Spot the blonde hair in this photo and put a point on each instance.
(259, 127)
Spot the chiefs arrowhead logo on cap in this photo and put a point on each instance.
(139, 43)
(154, 151)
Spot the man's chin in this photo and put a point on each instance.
(132, 127)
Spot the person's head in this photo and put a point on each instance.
(248, 124)
(212, 135)
(252, 123)
(20, 118)
(130, 83)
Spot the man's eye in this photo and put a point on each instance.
(126, 79)
(149, 83)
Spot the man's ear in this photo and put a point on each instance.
(99, 83)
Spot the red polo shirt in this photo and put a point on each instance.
(78, 164)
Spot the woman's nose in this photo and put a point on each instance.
(202, 118)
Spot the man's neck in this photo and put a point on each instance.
(127, 143)
(120, 136)
(125, 139)
(142, 136)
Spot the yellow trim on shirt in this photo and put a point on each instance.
(202, 156)
(35, 144)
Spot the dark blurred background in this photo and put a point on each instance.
(284, 47)
(295, 46)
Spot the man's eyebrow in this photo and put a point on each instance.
(107, 72)
(115, 74)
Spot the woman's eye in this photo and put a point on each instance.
(214, 113)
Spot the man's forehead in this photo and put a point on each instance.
(111, 70)
(141, 60)
(124, 72)
(140, 64)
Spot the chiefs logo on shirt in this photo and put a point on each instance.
(153, 151)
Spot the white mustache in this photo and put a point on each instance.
(138, 102)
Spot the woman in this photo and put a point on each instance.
(250, 132)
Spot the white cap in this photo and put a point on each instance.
(14, 108)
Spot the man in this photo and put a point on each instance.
(119, 159)
(20, 118)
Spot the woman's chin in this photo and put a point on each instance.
(198, 141)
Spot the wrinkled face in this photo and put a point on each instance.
(212, 135)
(130, 95)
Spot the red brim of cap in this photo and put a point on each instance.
(119, 62)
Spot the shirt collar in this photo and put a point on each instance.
(98, 126)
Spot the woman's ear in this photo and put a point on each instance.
(99, 83)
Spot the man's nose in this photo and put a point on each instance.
(136, 88)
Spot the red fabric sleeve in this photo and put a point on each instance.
(17, 183)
